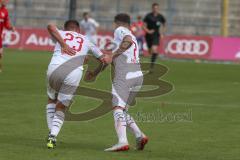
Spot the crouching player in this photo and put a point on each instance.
(65, 72)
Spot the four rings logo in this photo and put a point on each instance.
(188, 47)
(10, 38)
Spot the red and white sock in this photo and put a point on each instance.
(50, 110)
(133, 126)
(57, 123)
(120, 125)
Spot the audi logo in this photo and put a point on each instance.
(10, 38)
(190, 47)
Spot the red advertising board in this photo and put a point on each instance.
(39, 39)
(190, 47)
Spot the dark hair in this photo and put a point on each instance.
(139, 17)
(71, 21)
(155, 4)
(122, 18)
(85, 13)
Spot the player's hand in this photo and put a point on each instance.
(106, 58)
(151, 31)
(89, 76)
(67, 50)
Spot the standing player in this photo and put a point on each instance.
(128, 78)
(90, 27)
(65, 72)
(155, 28)
(4, 23)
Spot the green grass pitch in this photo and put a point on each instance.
(208, 93)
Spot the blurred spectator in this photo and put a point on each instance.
(4, 23)
(138, 31)
(89, 26)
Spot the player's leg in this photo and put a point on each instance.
(56, 125)
(120, 127)
(119, 103)
(141, 138)
(1, 57)
(154, 55)
(131, 124)
(52, 98)
(154, 49)
(58, 118)
(65, 95)
(148, 39)
(62, 104)
(50, 111)
(50, 108)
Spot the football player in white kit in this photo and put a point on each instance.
(128, 79)
(65, 72)
(90, 27)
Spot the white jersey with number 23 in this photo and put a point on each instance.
(76, 41)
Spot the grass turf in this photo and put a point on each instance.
(208, 93)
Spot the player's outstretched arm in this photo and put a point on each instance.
(104, 61)
(90, 75)
(149, 31)
(104, 58)
(7, 23)
(53, 31)
(125, 45)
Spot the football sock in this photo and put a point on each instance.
(50, 110)
(133, 126)
(57, 122)
(153, 59)
(120, 125)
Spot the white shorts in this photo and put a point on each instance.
(62, 88)
(124, 91)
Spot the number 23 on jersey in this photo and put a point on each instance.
(75, 42)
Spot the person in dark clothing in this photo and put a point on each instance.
(155, 26)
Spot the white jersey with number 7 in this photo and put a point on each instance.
(132, 53)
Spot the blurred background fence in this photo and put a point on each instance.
(194, 17)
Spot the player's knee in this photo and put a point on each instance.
(118, 114)
(118, 107)
(50, 100)
(60, 107)
(64, 99)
